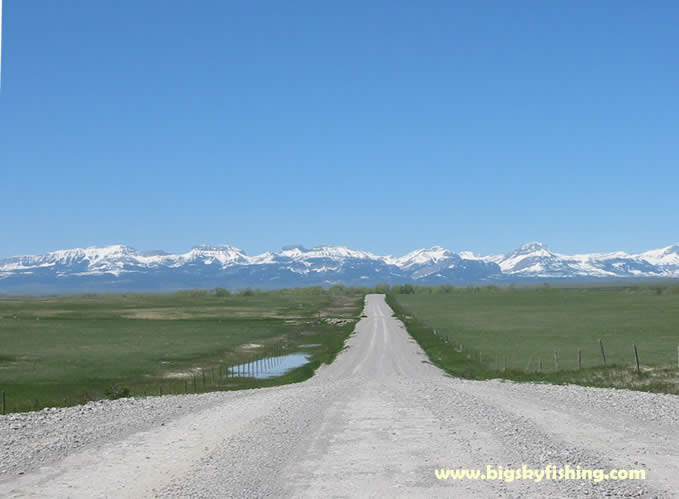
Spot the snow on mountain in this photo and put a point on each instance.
(65, 257)
(223, 255)
(263, 259)
(122, 267)
(532, 258)
(437, 264)
(668, 256)
(425, 256)
(334, 252)
(468, 255)
(537, 260)
(118, 258)
(109, 259)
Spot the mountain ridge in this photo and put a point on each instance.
(122, 267)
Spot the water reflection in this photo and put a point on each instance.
(269, 367)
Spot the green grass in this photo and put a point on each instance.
(63, 350)
(482, 330)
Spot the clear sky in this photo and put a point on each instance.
(383, 125)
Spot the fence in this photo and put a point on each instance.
(217, 376)
(597, 356)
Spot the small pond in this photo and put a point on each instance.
(269, 367)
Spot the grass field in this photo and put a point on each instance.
(482, 330)
(59, 351)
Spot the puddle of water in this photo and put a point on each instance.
(269, 367)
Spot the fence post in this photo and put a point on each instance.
(540, 364)
(579, 359)
(603, 352)
(4, 403)
(556, 360)
(636, 358)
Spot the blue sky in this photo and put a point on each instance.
(385, 127)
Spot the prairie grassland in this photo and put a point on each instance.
(515, 333)
(63, 350)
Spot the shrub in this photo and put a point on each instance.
(115, 391)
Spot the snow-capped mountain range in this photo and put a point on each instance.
(120, 267)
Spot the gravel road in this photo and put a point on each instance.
(375, 423)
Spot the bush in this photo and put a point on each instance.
(115, 391)
(406, 289)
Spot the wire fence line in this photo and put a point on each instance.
(219, 375)
(559, 359)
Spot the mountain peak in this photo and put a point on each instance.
(217, 247)
(94, 252)
(668, 255)
(292, 247)
(533, 246)
(422, 256)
